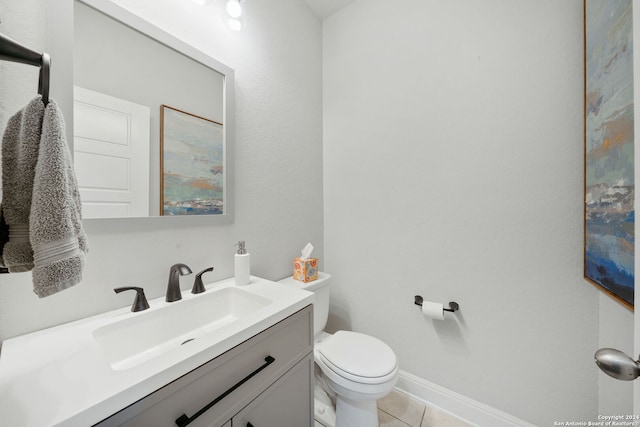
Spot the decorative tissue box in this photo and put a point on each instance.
(305, 270)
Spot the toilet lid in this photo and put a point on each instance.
(358, 354)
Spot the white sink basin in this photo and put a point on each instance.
(149, 334)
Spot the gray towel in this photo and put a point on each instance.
(20, 145)
(40, 200)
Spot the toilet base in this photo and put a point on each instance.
(324, 414)
(358, 416)
(324, 410)
(334, 411)
(350, 413)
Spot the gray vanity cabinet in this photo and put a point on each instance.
(278, 392)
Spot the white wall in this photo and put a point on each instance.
(615, 331)
(278, 164)
(453, 152)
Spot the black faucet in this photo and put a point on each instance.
(173, 287)
(140, 302)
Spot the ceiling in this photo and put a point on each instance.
(324, 8)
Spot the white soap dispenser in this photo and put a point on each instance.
(242, 265)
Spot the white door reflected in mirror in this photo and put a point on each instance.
(111, 155)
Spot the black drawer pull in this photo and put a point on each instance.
(183, 420)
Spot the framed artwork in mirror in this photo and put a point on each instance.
(192, 164)
(609, 189)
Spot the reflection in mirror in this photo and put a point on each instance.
(192, 164)
(122, 77)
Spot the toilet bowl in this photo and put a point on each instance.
(356, 369)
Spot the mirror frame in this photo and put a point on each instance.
(60, 33)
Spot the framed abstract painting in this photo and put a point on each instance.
(192, 164)
(609, 190)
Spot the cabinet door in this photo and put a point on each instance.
(288, 402)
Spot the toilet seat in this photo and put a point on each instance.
(358, 357)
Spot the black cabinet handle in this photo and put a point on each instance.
(183, 420)
(249, 425)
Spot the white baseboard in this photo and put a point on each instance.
(465, 408)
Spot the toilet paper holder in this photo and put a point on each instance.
(453, 306)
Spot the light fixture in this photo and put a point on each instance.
(234, 24)
(234, 8)
(234, 14)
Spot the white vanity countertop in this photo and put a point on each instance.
(59, 376)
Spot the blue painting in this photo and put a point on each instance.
(192, 164)
(609, 149)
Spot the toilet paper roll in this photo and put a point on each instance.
(433, 310)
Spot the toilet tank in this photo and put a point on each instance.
(320, 288)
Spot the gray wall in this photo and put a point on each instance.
(453, 152)
(278, 164)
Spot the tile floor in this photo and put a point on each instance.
(400, 410)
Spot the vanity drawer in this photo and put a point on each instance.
(287, 342)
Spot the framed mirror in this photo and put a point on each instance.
(128, 74)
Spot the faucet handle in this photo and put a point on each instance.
(198, 286)
(140, 302)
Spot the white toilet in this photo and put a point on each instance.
(357, 368)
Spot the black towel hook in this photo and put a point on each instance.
(11, 50)
(44, 79)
